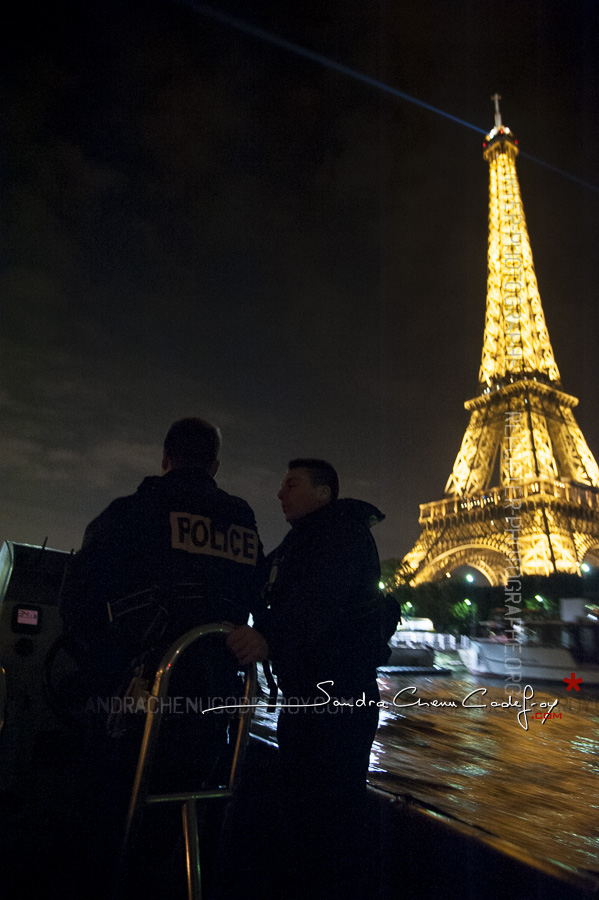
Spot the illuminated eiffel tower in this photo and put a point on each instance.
(523, 496)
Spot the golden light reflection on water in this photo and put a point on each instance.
(536, 788)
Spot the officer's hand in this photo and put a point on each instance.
(247, 645)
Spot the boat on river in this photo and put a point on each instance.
(409, 646)
(411, 654)
(541, 650)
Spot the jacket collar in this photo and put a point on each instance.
(359, 510)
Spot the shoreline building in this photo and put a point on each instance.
(523, 496)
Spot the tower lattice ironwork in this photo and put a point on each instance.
(523, 496)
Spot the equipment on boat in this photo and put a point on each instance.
(30, 582)
(188, 799)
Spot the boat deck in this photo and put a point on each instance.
(416, 851)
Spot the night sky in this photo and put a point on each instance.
(197, 221)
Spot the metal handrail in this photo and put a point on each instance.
(140, 796)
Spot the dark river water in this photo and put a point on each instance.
(536, 788)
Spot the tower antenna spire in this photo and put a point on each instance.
(496, 98)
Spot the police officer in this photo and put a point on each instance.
(178, 529)
(323, 629)
(183, 540)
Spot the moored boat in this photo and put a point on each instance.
(409, 647)
(411, 654)
(542, 650)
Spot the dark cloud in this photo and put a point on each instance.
(200, 222)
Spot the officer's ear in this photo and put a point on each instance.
(167, 463)
(324, 492)
(214, 467)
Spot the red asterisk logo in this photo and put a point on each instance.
(573, 682)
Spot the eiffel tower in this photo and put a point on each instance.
(523, 496)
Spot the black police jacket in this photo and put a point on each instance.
(323, 616)
(177, 529)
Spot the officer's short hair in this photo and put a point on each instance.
(321, 473)
(192, 442)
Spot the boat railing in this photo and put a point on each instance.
(433, 639)
(140, 796)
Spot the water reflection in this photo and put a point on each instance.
(535, 788)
